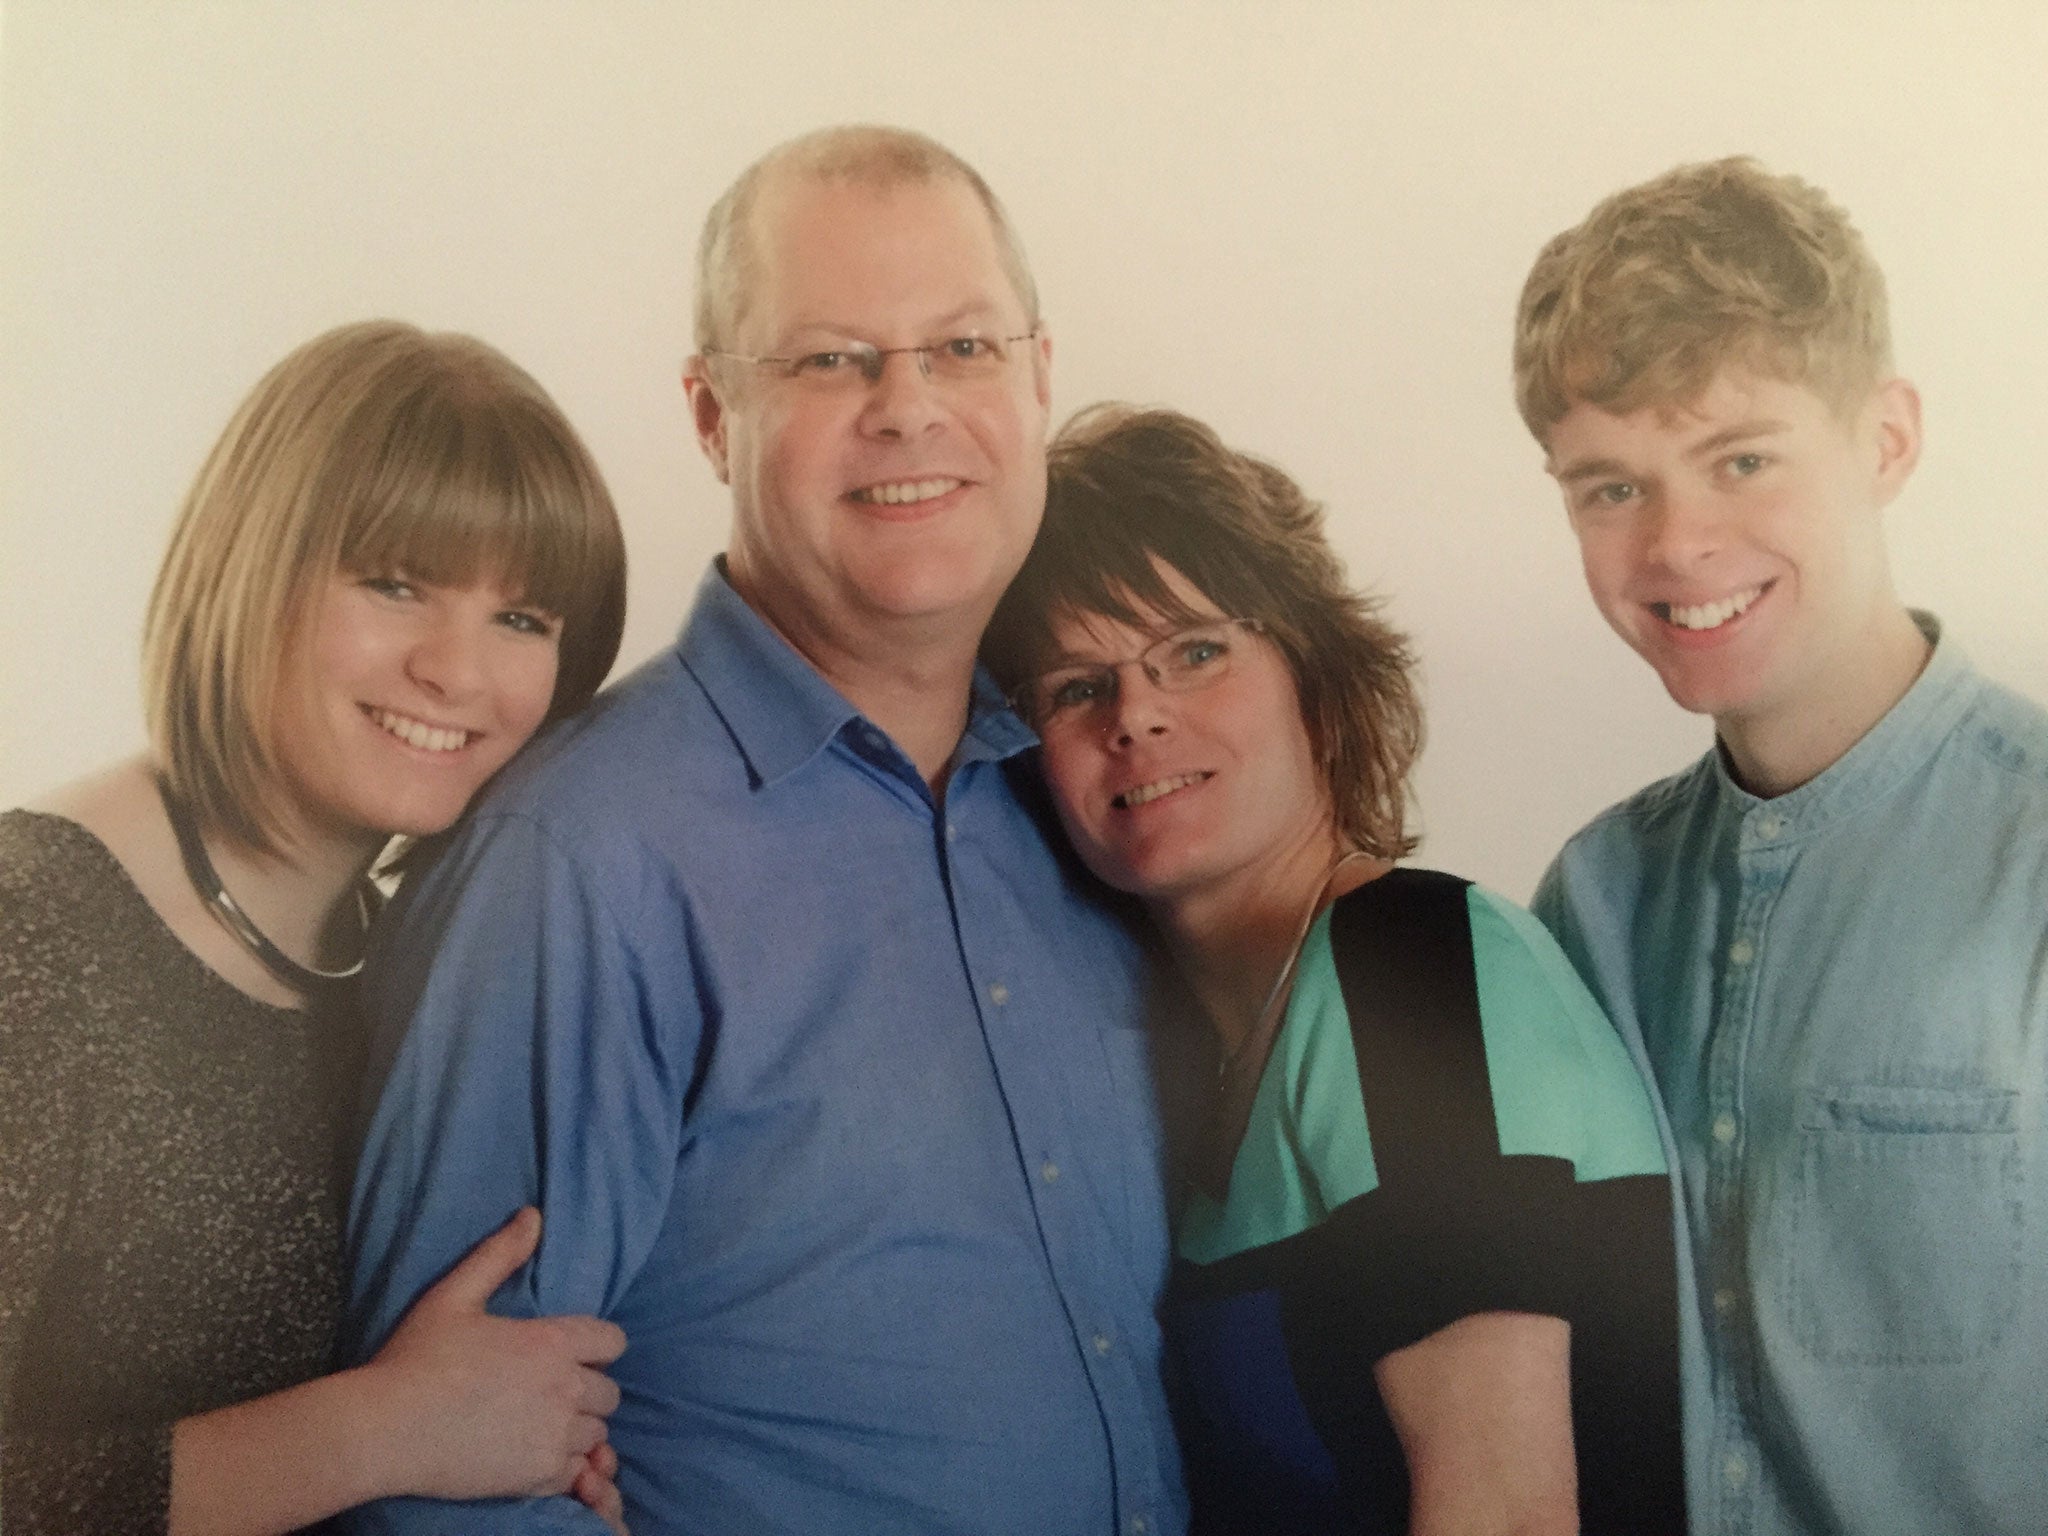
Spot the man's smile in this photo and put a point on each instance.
(1704, 616)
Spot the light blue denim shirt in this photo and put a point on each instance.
(1842, 994)
(835, 1098)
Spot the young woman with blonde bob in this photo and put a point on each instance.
(1424, 1274)
(397, 563)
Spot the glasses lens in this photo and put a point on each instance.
(837, 366)
(1069, 692)
(966, 357)
(1184, 661)
(1193, 658)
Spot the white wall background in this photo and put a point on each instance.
(1306, 222)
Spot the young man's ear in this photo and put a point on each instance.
(1895, 411)
(707, 413)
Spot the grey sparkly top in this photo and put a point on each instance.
(170, 1188)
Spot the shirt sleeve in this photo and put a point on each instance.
(1553, 907)
(1518, 1170)
(112, 1482)
(1547, 906)
(536, 1054)
(110, 1478)
(1567, 1086)
(1563, 1081)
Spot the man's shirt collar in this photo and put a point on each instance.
(781, 710)
(1909, 732)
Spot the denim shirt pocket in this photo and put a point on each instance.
(1900, 1243)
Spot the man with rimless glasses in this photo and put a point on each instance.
(761, 981)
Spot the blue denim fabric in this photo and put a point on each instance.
(1842, 994)
(835, 1099)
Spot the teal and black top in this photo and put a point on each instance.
(1445, 1125)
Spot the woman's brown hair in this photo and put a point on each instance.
(1132, 490)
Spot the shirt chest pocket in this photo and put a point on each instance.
(1900, 1241)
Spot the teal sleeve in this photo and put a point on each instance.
(1563, 1084)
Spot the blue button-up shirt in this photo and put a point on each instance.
(833, 1097)
(1843, 995)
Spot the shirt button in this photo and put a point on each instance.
(998, 994)
(1724, 1300)
(1140, 1525)
(1724, 1129)
(1742, 952)
(1102, 1344)
(952, 832)
(1736, 1471)
(1050, 1172)
(1770, 826)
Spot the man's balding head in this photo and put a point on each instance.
(864, 154)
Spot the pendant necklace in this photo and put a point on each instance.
(1241, 1067)
(1262, 1026)
(228, 913)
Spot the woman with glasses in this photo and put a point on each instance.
(397, 563)
(1424, 1273)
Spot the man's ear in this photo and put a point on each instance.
(1041, 367)
(1895, 416)
(707, 414)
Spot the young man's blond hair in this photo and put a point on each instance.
(1664, 285)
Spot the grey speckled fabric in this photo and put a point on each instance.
(170, 1188)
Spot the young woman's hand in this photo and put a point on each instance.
(458, 1404)
(597, 1486)
(481, 1406)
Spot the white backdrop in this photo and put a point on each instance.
(1306, 222)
